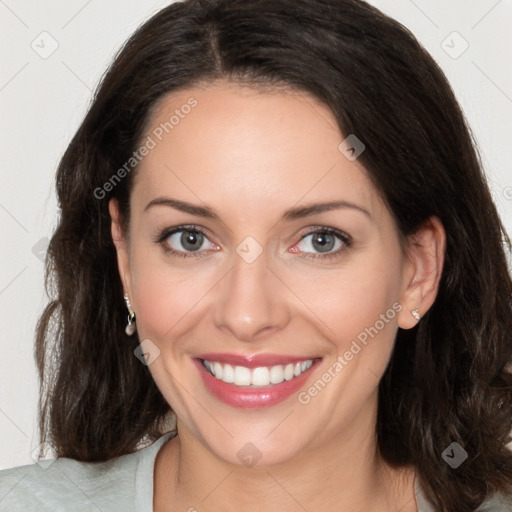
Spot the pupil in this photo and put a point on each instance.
(323, 242)
(191, 240)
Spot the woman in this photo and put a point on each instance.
(284, 200)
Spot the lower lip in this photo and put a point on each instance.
(252, 398)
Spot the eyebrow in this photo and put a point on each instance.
(289, 215)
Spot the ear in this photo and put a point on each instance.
(119, 239)
(422, 273)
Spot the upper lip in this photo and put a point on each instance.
(253, 361)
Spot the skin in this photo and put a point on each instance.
(250, 156)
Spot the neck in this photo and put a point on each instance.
(345, 473)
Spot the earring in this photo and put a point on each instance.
(416, 314)
(130, 327)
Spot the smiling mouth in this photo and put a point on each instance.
(261, 376)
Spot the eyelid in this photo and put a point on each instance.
(325, 229)
(345, 239)
(164, 234)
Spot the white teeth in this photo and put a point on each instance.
(257, 377)
(242, 376)
(217, 370)
(260, 377)
(276, 375)
(228, 374)
(288, 372)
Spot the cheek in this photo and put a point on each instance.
(357, 302)
(164, 296)
(358, 317)
(352, 297)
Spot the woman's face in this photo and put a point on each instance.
(234, 256)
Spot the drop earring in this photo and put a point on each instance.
(130, 327)
(415, 313)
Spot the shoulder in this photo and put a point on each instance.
(52, 484)
(497, 503)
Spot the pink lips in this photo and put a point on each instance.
(252, 397)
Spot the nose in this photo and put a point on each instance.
(252, 301)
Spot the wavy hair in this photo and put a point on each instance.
(447, 380)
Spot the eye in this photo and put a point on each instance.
(191, 241)
(184, 241)
(322, 243)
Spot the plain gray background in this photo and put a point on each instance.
(54, 53)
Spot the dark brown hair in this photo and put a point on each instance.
(447, 380)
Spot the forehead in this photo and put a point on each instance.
(227, 144)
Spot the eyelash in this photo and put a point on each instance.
(166, 233)
(340, 235)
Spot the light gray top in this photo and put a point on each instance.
(124, 484)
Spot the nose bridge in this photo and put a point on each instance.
(250, 300)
